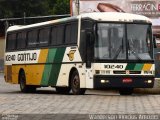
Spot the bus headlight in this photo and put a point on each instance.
(104, 81)
(149, 81)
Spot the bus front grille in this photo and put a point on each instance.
(127, 72)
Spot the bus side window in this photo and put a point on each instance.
(11, 41)
(60, 35)
(53, 35)
(44, 35)
(71, 32)
(21, 40)
(32, 38)
(68, 34)
(74, 32)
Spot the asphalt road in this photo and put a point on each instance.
(47, 101)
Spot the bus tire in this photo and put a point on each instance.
(126, 91)
(75, 84)
(63, 90)
(22, 81)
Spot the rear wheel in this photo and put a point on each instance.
(75, 84)
(126, 91)
(63, 90)
(22, 81)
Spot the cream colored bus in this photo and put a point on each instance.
(89, 51)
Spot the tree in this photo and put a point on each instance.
(17, 8)
(61, 7)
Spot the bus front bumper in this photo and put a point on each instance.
(102, 81)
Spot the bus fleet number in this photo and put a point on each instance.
(114, 66)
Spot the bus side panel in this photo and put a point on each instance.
(52, 68)
(8, 73)
(63, 79)
(11, 74)
(33, 73)
(15, 73)
(71, 59)
(82, 75)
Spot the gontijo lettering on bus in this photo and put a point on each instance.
(21, 57)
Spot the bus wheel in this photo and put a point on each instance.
(126, 91)
(22, 81)
(75, 84)
(63, 90)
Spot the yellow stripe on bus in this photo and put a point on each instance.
(34, 74)
(38, 70)
(43, 56)
(147, 67)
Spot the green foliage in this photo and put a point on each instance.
(62, 6)
(17, 8)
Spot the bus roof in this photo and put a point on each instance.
(115, 16)
(98, 16)
(20, 27)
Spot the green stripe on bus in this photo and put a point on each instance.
(48, 67)
(138, 67)
(56, 66)
(130, 66)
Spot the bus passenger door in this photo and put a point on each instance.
(89, 59)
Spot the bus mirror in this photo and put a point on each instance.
(154, 42)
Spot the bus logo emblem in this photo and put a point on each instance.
(71, 55)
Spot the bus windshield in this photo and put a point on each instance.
(123, 41)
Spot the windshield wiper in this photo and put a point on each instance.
(119, 50)
(133, 52)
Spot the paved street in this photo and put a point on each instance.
(47, 101)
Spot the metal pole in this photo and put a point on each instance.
(78, 5)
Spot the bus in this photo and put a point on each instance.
(90, 51)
